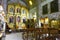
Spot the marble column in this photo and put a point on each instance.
(39, 11)
(4, 3)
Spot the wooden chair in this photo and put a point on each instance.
(53, 33)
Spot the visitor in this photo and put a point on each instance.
(2, 29)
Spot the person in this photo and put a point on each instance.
(2, 27)
(28, 23)
(7, 27)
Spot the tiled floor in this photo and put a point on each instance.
(13, 36)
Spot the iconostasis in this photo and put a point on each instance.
(16, 15)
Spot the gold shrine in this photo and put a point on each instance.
(16, 15)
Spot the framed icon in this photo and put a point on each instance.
(11, 10)
(23, 10)
(18, 10)
(24, 20)
(11, 19)
(18, 19)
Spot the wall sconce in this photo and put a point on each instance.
(34, 17)
(42, 20)
(30, 2)
(46, 20)
(54, 22)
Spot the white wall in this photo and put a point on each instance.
(46, 2)
(31, 12)
(50, 15)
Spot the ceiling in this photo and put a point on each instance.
(34, 3)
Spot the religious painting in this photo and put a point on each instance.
(11, 19)
(24, 20)
(11, 10)
(23, 12)
(18, 19)
(18, 10)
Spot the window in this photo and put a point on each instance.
(54, 6)
(45, 9)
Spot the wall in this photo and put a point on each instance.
(50, 15)
(31, 12)
(4, 3)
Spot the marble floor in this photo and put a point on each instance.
(13, 36)
(16, 36)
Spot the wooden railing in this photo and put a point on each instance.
(40, 34)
